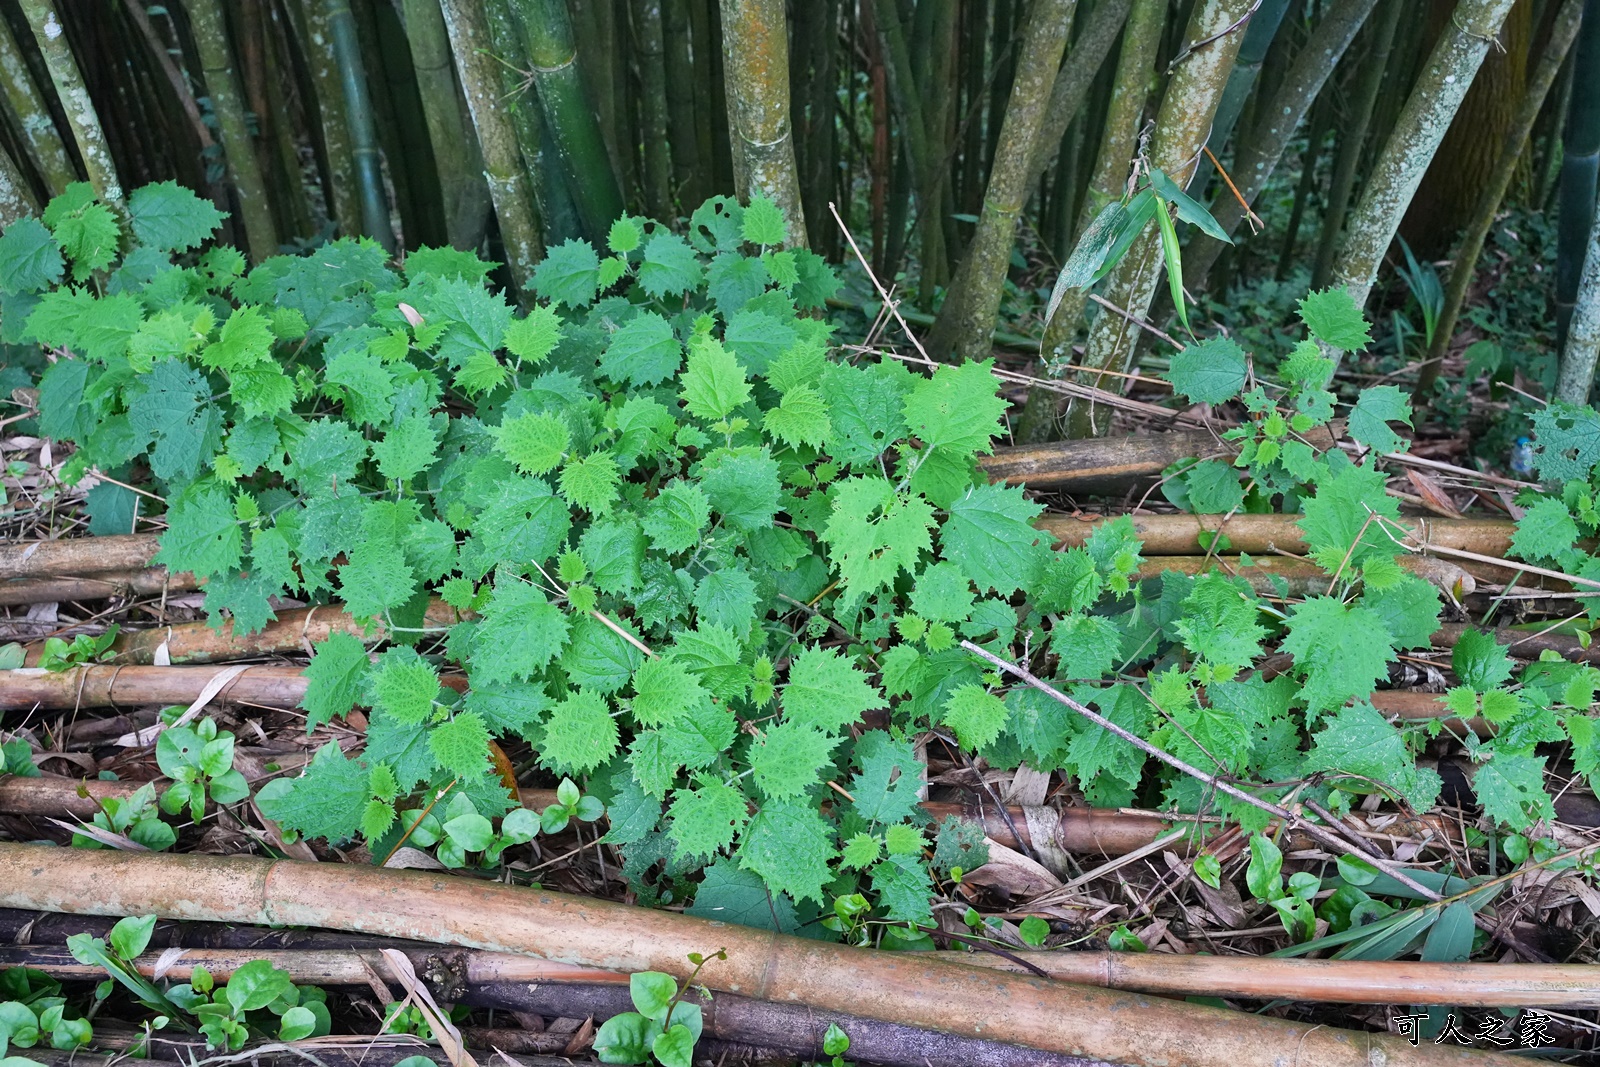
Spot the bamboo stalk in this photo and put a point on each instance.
(755, 55)
(1258, 38)
(1259, 152)
(517, 983)
(1184, 121)
(505, 170)
(1433, 102)
(1085, 56)
(77, 555)
(1353, 139)
(143, 582)
(16, 199)
(647, 19)
(38, 130)
(1562, 33)
(456, 153)
(903, 988)
(227, 102)
(568, 117)
(680, 89)
(1580, 169)
(74, 97)
(340, 196)
(1179, 535)
(362, 128)
(966, 320)
(1582, 350)
(1141, 39)
(493, 978)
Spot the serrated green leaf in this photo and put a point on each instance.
(664, 690)
(976, 715)
(763, 221)
(705, 820)
(326, 801)
(168, 217)
(519, 634)
(569, 274)
(1374, 409)
(713, 383)
(334, 679)
(644, 351)
(1340, 651)
(1333, 318)
(989, 535)
(580, 734)
(790, 846)
(1211, 371)
(674, 519)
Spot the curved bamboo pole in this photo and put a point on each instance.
(455, 150)
(74, 97)
(568, 117)
(227, 102)
(1423, 121)
(893, 987)
(755, 52)
(510, 188)
(341, 28)
(965, 326)
(32, 112)
(1141, 39)
(1204, 65)
(1563, 32)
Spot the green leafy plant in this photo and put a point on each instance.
(135, 816)
(664, 1026)
(570, 804)
(35, 1013)
(59, 655)
(199, 760)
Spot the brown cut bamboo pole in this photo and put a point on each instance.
(144, 582)
(1179, 535)
(103, 686)
(896, 987)
(60, 798)
(77, 555)
(1467, 985)
(383, 1050)
(536, 987)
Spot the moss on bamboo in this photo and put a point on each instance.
(74, 97)
(756, 54)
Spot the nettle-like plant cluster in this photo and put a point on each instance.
(696, 560)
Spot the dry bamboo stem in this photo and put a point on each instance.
(77, 555)
(1468, 985)
(1179, 535)
(98, 586)
(903, 988)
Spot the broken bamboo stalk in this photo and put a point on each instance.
(895, 987)
(102, 585)
(1180, 534)
(482, 978)
(68, 556)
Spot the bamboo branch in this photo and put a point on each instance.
(903, 988)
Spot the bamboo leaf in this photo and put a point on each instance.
(1190, 210)
(1173, 255)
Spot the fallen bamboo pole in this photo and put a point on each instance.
(1180, 534)
(102, 585)
(522, 984)
(1466, 985)
(70, 556)
(895, 987)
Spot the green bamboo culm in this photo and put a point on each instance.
(1427, 114)
(227, 102)
(688, 178)
(16, 200)
(40, 138)
(965, 327)
(1582, 350)
(339, 164)
(1563, 32)
(1086, 54)
(1258, 38)
(81, 116)
(1260, 150)
(1580, 167)
(1353, 139)
(653, 108)
(364, 150)
(509, 186)
(1203, 67)
(456, 152)
(1141, 41)
(569, 120)
(755, 52)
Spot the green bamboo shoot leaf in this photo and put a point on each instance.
(1189, 209)
(1137, 215)
(1172, 257)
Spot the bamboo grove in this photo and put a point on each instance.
(959, 139)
